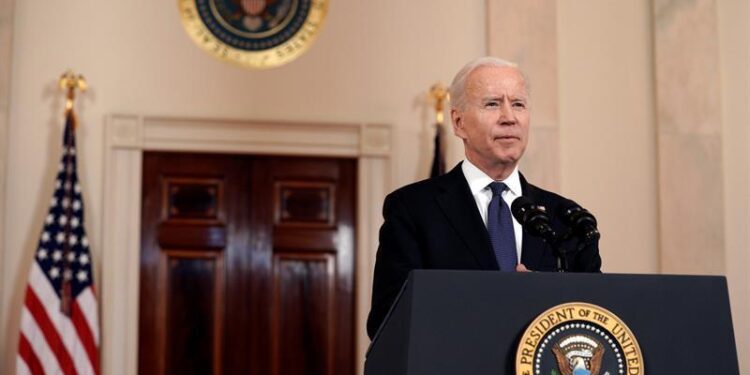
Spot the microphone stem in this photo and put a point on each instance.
(562, 260)
(551, 238)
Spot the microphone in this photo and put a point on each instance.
(533, 218)
(580, 221)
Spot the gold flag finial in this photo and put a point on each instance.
(69, 82)
(439, 95)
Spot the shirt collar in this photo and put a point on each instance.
(479, 180)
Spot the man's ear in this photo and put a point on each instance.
(458, 124)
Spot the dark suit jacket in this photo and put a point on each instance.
(435, 224)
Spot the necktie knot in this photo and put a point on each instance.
(497, 188)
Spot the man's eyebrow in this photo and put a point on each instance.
(503, 97)
(492, 98)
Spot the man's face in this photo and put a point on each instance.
(494, 118)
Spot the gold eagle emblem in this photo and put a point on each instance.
(578, 355)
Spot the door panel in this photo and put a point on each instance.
(246, 265)
(304, 313)
(192, 279)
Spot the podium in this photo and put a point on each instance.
(471, 322)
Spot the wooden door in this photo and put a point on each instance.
(247, 265)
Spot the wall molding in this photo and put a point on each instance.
(128, 136)
(6, 55)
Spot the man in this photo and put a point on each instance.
(461, 220)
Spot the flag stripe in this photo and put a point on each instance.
(89, 307)
(21, 368)
(29, 359)
(62, 324)
(87, 339)
(50, 333)
(34, 335)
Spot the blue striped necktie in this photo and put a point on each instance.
(500, 228)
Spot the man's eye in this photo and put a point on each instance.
(491, 104)
(519, 105)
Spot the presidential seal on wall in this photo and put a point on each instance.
(253, 33)
(578, 339)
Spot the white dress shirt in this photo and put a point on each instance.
(478, 183)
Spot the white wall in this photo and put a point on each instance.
(607, 125)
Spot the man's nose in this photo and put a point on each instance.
(507, 116)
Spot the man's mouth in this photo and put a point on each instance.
(506, 138)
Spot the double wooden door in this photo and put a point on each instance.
(247, 265)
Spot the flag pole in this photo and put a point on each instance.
(69, 82)
(439, 95)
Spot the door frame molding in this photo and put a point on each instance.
(127, 136)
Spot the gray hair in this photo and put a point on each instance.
(457, 88)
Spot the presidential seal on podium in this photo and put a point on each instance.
(578, 339)
(253, 33)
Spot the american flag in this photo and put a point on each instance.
(59, 320)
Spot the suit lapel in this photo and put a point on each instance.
(533, 248)
(455, 199)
